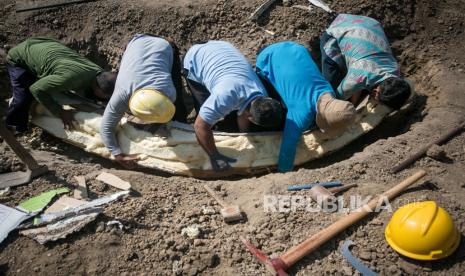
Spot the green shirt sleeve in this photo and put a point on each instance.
(42, 89)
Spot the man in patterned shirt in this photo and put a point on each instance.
(356, 57)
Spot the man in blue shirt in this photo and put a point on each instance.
(223, 82)
(356, 57)
(308, 97)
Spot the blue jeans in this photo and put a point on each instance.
(17, 115)
(329, 68)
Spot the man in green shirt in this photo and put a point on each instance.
(41, 66)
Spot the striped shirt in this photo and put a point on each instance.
(359, 44)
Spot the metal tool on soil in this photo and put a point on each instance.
(336, 190)
(322, 196)
(33, 169)
(356, 263)
(53, 5)
(278, 265)
(230, 213)
(309, 186)
(417, 155)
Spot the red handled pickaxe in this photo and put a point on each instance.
(279, 265)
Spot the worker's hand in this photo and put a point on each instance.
(220, 162)
(127, 161)
(67, 117)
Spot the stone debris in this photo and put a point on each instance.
(302, 7)
(436, 152)
(115, 223)
(192, 231)
(81, 189)
(61, 229)
(208, 210)
(114, 181)
(321, 4)
(5, 192)
(63, 203)
(89, 206)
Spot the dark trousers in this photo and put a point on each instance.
(199, 95)
(17, 115)
(329, 68)
(181, 112)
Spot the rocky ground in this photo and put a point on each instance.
(428, 39)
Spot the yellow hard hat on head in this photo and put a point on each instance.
(151, 106)
(422, 231)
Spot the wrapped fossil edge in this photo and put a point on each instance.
(173, 147)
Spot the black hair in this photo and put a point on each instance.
(266, 112)
(394, 92)
(106, 81)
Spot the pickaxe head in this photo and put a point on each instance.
(275, 266)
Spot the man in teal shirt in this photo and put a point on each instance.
(307, 96)
(41, 66)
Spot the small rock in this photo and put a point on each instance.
(176, 268)
(100, 227)
(208, 210)
(237, 258)
(376, 222)
(347, 270)
(365, 255)
(407, 267)
(5, 191)
(287, 3)
(392, 269)
(192, 231)
(358, 168)
(198, 242)
(436, 152)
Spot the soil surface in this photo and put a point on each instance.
(428, 39)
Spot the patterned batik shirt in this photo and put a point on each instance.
(359, 44)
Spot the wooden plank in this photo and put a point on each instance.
(114, 181)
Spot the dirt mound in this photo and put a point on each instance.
(427, 38)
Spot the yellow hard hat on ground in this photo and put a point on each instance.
(151, 106)
(422, 231)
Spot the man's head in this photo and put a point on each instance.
(266, 112)
(104, 84)
(334, 116)
(393, 92)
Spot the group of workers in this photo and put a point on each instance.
(285, 90)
